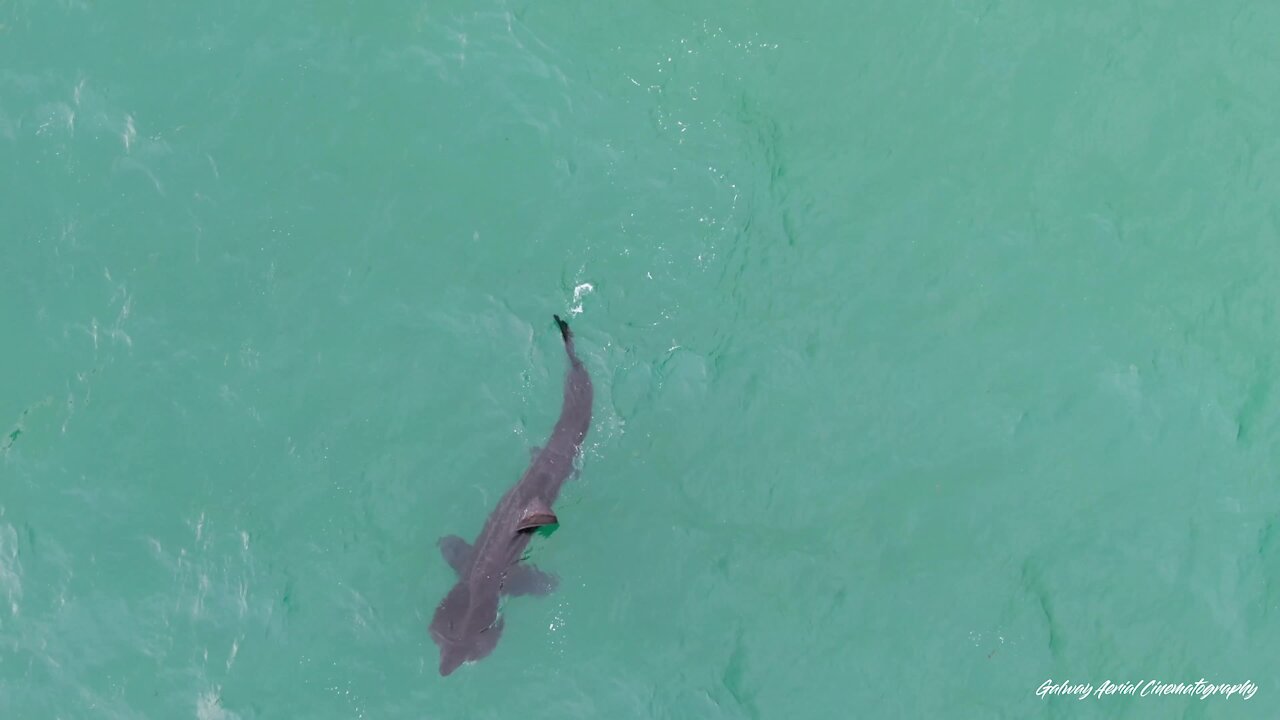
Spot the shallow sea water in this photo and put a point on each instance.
(933, 344)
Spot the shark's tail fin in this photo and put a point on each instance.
(567, 334)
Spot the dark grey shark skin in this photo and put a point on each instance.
(466, 625)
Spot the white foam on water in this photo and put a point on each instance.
(209, 707)
(579, 292)
(10, 568)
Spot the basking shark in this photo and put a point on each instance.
(466, 625)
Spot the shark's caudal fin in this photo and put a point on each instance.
(567, 334)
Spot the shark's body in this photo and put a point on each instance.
(466, 625)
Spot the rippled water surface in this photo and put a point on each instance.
(934, 347)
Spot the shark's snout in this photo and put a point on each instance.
(451, 658)
(452, 652)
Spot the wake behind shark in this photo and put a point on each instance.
(466, 625)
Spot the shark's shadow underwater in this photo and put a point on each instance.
(466, 625)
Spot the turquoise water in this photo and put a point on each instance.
(933, 345)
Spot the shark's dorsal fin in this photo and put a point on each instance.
(536, 514)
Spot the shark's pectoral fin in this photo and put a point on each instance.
(536, 515)
(456, 552)
(533, 453)
(528, 580)
(486, 641)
